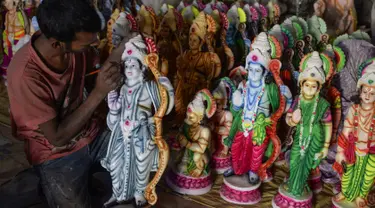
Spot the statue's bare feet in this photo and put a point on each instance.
(228, 172)
(361, 202)
(339, 197)
(140, 200)
(253, 178)
(111, 201)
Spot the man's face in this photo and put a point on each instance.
(368, 95)
(132, 69)
(83, 41)
(255, 72)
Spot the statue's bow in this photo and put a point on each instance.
(152, 60)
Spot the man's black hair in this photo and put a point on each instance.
(62, 19)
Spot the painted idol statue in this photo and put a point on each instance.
(311, 115)
(192, 173)
(135, 140)
(257, 104)
(356, 146)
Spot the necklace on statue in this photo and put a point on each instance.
(304, 142)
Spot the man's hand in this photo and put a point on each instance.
(109, 79)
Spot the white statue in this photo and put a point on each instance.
(132, 151)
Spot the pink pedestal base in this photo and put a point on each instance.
(343, 204)
(237, 190)
(221, 164)
(315, 183)
(184, 184)
(283, 199)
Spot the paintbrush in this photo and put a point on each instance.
(98, 66)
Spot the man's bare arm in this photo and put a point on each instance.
(60, 133)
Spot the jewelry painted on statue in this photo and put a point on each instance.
(303, 142)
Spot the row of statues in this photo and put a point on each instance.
(239, 88)
(236, 77)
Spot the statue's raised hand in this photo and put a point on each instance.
(114, 101)
(296, 116)
(237, 98)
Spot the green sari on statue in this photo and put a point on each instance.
(302, 165)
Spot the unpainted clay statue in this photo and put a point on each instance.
(195, 68)
(340, 15)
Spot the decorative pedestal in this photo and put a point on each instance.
(315, 183)
(342, 204)
(221, 164)
(237, 190)
(184, 184)
(283, 199)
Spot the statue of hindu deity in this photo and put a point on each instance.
(221, 124)
(236, 34)
(257, 105)
(169, 34)
(147, 22)
(191, 174)
(220, 46)
(355, 152)
(188, 13)
(311, 115)
(195, 68)
(125, 25)
(16, 33)
(340, 15)
(135, 114)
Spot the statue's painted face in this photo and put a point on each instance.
(309, 89)
(194, 42)
(368, 94)
(192, 116)
(255, 72)
(11, 4)
(133, 69)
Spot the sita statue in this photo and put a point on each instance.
(311, 115)
(257, 105)
(136, 147)
(221, 125)
(195, 68)
(192, 174)
(17, 31)
(355, 158)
